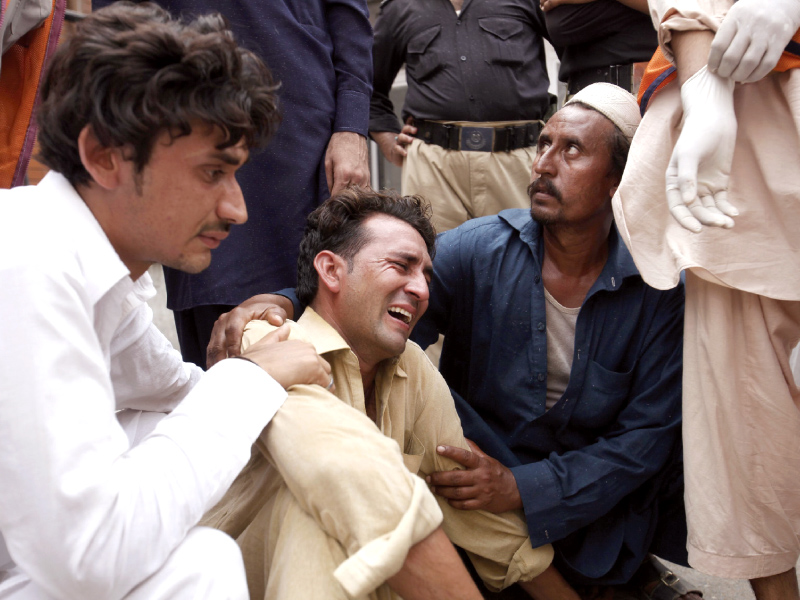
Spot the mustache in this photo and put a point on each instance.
(546, 186)
(220, 226)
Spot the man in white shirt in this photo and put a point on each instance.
(144, 121)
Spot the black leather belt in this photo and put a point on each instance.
(621, 75)
(479, 139)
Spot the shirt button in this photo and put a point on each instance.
(536, 279)
(540, 326)
(472, 97)
(463, 58)
(458, 22)
(540, 377)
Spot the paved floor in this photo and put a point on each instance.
(714, 588)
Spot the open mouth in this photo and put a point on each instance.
(400, 314)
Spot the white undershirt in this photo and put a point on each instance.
(560, 346)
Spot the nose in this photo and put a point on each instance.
(231, 207)
(543, 163)
(417, 286)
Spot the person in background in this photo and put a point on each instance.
(477, 94)
(600, 40)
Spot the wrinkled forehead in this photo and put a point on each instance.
(389, 235)
(577, 120)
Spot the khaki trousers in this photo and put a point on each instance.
(313, 524)
(741, 430)
(463, 185)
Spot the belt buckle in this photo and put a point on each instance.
(477, 139)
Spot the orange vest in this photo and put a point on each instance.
(20, 77)
(660, 72)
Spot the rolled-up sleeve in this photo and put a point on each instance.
(685, 15)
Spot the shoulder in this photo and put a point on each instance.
(254, 331)
(485, 236)
(419, 369)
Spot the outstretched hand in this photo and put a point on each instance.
(485, 483)
(700, 166)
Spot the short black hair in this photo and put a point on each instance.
(336, 225)
(132, 71)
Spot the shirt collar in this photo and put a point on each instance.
(99, 261)
(321, 334)
(619, 264)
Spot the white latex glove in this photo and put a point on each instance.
(698, 172)
(752, 37)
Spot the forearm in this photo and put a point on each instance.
(690, 49)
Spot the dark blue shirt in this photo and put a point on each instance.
(321, 52)
(591, 469)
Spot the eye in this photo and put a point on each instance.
(400, 265)
(214, 175)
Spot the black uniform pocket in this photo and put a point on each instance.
(423, 57)
(503, 42)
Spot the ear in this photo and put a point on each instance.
(330, 269)
(103, 164)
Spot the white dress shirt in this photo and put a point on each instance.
(85, 515)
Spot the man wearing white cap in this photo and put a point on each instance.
(564, 365)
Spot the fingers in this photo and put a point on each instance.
(460, 455)
(473, 504)
(447, 479)
(475, 448)
(226, 336)
(457, 493)
(722, 41)
(721, 200)
(707, 213)
(678, 189)
(329, 171)
(751, 62)
(290, 362)
(274, 315)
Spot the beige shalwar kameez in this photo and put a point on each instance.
(741, 415)
(288, 533)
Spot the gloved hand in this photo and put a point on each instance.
(698, 172)
(752, 37)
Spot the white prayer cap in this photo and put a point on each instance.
(617, 104)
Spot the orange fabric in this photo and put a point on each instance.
(660, 72)
(20, 77)
(658, 66)
(789, 60)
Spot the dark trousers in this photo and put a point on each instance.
(194, 327)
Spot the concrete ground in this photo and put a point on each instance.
(713, 588)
